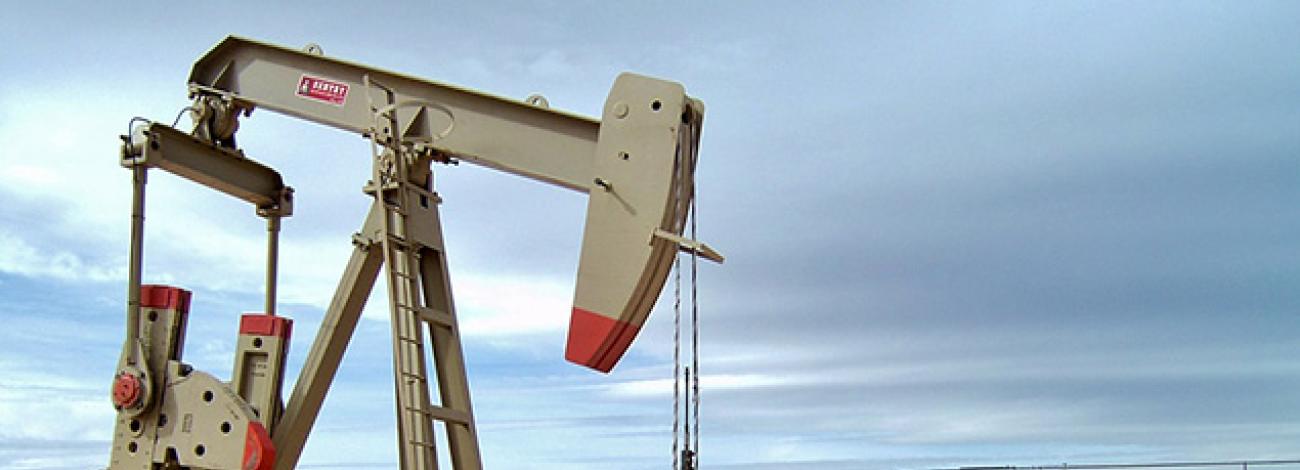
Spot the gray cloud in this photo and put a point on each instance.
(956, 234)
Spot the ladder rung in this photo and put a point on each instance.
(412, 376)
(435, 316)
(421, 444)
(442, 413)
(398, 242)
(415, 188)
(433, 197)
(410, 340)
(431, 315)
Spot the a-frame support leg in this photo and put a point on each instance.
(449, 361)
(336, 330)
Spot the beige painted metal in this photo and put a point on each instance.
(208, 423)
(259, 373)
(197, 421)
(160, 337)
(134, 360)
(226, 170)
(509, 135)
(644, 163)
(179, 416)
(637, 164)
(200, 423)
(645, 169)
(340, 322)
(411, 238)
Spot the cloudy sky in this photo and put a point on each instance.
(959, 233)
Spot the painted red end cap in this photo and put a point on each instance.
(597, 341)
(265, 325)
(164, 297)
(127, 390)
(259, 452)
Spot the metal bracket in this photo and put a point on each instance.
(690, 246)
(226, 170)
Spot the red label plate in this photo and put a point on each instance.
(321, 89)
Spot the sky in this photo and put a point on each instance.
(957, 233)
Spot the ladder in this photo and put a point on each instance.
(419, 295)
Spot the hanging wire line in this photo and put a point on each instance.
(695, 338)
(677, 331)
(686, 436)
(677, 353)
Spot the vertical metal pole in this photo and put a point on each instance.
(272, 259)
(687, 454)
(138, 177)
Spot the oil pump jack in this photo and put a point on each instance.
(636, 165)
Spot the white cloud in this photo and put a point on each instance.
(505, 306)
(29, 174)
(495, 307)
(29, 399)
(19, 257)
